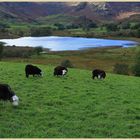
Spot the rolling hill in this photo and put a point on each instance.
(103, 11)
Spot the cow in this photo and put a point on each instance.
(60, 71)
(100, 74)
(7, 94)
(32, 70)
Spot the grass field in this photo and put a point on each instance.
(74, 106)
(103, 58)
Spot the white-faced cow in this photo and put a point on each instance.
(60, 71)
(7, 94)
(100, 74)
(32, 70)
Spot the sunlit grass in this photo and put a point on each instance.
(71, 106)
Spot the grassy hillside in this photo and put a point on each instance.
(72, 106)
(58, 18)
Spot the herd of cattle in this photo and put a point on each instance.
(6, 92)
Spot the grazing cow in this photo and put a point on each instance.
(60, 70)
(32, 70)
(7, 94)
(100, 74)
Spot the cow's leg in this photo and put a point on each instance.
(27, 75)
(93, 76)
(101, 78)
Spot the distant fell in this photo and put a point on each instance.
(96, 11)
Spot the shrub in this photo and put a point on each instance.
(41, 31)
(136, 68)
(66, 63)
(138, 33)
(59, 26)
(1, 49)
(3, 25)
(38, 50)
(111, 27)
(20, 52)
(121, 69)
(125, 25)
(135, 26)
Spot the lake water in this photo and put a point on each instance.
(55, 43)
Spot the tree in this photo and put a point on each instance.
(135, 26)
(38, 50)
(136, 68)
(111, 27)
(1, 49)
(3, 25)
(92, 25)
(66, 63)
(125, 25)
(137, 33)
(59, 26)
(121, 69)
(41, 31)
(86, 23)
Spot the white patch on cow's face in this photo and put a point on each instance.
(99, 76)
(64, 72)
(15, 100)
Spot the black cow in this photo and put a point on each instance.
(32, 70)
(60, 70)
(7, 94)
(100, 74)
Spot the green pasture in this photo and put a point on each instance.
(74, 106)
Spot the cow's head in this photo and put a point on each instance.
(101, 76)
(15, 100)
(64, 72)
(40, 72)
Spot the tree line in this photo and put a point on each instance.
(126, 29)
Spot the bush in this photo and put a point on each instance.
(59, 26)
(1, 49)
(125, 25)
(41, 31)
(111, 27)
(38, 50)
(137, 33)
(135, 26)
(20, 52)
(3, 25)
(121, 69)
(136, 68)
(66, 63)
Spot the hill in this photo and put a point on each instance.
(71, 106)
(103, 11)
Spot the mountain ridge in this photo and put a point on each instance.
(98, 11)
